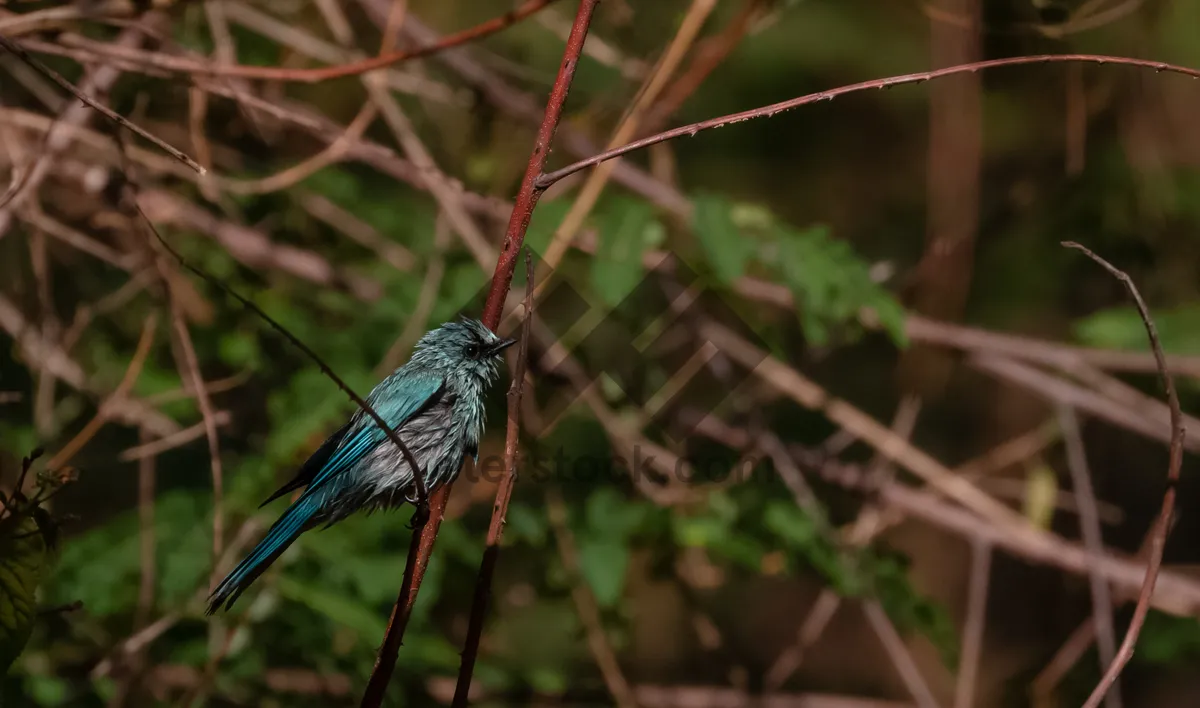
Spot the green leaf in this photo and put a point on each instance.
(1168, 640)
(790, 523)
(526, 524)
(831, 284)
(910, 610)
(617, 268)
(101, 567)
(699, 531)
(727, 249)
(548, 681)
(893, 317)
(1122, 328)
(48, 690)
(544, 222)
(612, 515)
(240, 349)
(336, 606)
(604, 562)
(26, 541)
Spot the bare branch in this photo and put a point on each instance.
(1163, 523)
(691, 129)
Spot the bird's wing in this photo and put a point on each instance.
(312, 466)
(404, 401)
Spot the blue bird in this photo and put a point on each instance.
(434, 403)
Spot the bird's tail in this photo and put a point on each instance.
(281, 535)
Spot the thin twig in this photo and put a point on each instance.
(1163, 523)
(893, 447)
(364, 234)
(362, 66)
(487, 568)
(418, 320)
(190, 365)
(156, 447)
(973, 626)
(525, 108)
(59, 128)
(868, 524)
(37, 351)
(332, 153)
(1093, 539)
(897, 651)
(689, 29)
(708, 56)
(143, 637)
(52, 227)
(1142, 419)
(422, 547)
(105, 411)
(19, 51)
(146, 536)
(768, 111)
(1175, 593)
(585, 603)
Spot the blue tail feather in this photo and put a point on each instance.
(281, 535)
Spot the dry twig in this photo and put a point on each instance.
(106, 409)
(19, 51)
(487, 568)
(1093, 539)
(550, 178)
(1163, 523)
(976, 621)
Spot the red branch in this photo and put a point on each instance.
(767, 111)
(487, 568)
(1162, 527)
(325, 73)
(422, 546)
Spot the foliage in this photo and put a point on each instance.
(1122, 328)
(28, 542)
(1169, 640)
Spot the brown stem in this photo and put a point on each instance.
(1163, 523)
(422, 546)
(768, 111)
(708, 56)
(1093, 540)
(487, 569)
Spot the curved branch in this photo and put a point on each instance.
(550, 178)
(1158, 537)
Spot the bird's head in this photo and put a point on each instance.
(464, 352)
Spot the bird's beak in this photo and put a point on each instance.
(502, 345)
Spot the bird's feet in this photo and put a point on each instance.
(420, 515)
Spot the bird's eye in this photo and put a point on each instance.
(472, 351)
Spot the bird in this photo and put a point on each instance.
(434, 402)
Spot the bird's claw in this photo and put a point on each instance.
(420, 515)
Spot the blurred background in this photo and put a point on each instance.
(892, 258)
